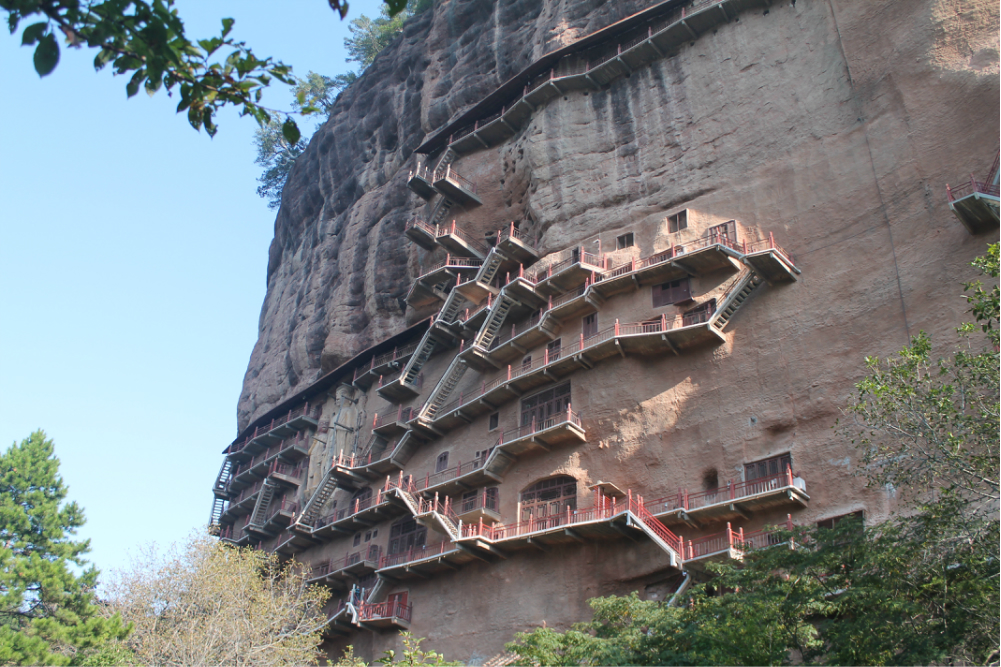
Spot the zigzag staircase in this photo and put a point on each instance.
(311, 510)
(429, 511)
(447, 158)
(225, 475)
(494, 321)
(735, 297)
(218, 507)
(430, 341)
(435, 512)
(259, 515)
(491, 265)
(641, 518)
(379, 591)
(443, 389)
(440, 211)
(450, 311)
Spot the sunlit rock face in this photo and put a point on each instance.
(834, 124)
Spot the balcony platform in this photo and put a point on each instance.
(697, 510)
(473, 475)
(977, 211)
(772, 265)
(385, 615)
(424, 562)
(476, 291)
(348, 521)
(391, 425)
(456, 241)
(566, 275)
(523, 291)
(396, 390)
(292, 542)
(421, 233)
(422, 294)
(476, 512)
(419, 181)
(517, 245)
(456, 187)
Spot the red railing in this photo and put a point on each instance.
(422, 172)
(582, 62)
(269, 453)
(986, 186)
(565, 260)
(732, 491)
(583, 343)
(454, 230)
(450, 174)
(482, 500)
(602, 510)
(286, 469)
(567, 416)
(450, 473)
(371, 611)
(735, 540)
(416, 554)
(421, 223)
(767, 244)
(294, 413)
(451, 262)
(402, 416)
(512, 232)
(286, 506)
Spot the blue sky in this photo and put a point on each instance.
(133, 261)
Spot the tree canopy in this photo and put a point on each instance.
(207, 603)
(48, 611)
(919, 588)
(147, 42)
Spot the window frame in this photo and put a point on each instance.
(623, 241)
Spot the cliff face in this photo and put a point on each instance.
(828, 122)
(339, 266)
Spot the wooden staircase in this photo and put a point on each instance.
(495, 320)
(447, 158)
(439, 213)
(224, 477)
(218, 507)
(311, 510)
(260, 514)
(735, 298)
(443, 389)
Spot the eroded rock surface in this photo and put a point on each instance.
(827, 122)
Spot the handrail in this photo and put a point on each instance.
(390, 609)
(583, 62)
(513, 232)
(450, 174)
(455, 230)
(293, 413)
(567, 416)
(687, 501)
(415, 554)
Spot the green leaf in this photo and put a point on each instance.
(227, 25)
(46, 55)
(33, 32)
(133, 86)
(291, 131)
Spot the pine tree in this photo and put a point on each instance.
(48, 613)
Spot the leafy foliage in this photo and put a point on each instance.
(275, 151)
(146, 41)
(370, 36)
(921, 588)
(414, 655)
(48, 614)
(209, 603)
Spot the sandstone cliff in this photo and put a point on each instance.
(831, 122)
